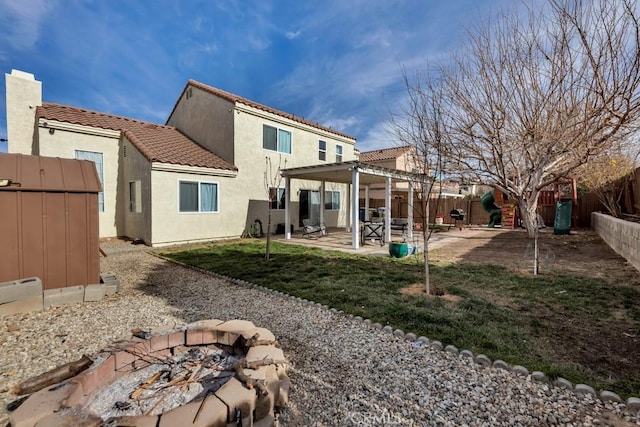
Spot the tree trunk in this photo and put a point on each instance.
(267, 254)
(425, 243)
(529, 214)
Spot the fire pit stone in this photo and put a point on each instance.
(249, 383)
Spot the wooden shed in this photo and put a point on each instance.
(49, 220)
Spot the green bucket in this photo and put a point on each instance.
(398, 249)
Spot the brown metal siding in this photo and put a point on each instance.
(49, 226)
(56, 240)
(9, 236)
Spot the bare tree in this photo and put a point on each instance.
(533, 97)
(605, 175)
(421, 125)
(272, 182)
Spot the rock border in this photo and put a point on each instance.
(632, 403)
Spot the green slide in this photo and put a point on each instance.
(495, 212)
(562, 222)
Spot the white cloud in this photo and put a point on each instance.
(292, 34)
(339, 123)
(257, 42)
(21, 22)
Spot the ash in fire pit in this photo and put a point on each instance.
(208, 373)
(165, 384)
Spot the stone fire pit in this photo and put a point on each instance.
(209, 373)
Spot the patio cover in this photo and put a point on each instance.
(354, 173)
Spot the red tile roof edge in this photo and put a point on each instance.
(39, 109)
(401, 150)
(239, 99)
(130, 135)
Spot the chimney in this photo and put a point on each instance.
(24, 94)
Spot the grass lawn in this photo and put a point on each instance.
(505, 315)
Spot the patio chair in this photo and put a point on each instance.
(399, 224)
(308, 229)
(373, 231)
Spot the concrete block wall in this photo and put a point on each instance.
(622, 236)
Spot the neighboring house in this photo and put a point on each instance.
(402, 158)
(198, 178)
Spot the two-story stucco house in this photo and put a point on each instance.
(199, 177)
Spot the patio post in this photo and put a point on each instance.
(387, 209)
(410, 213)
(355, 189)
(287, 209)
(322, 201)
(366, 202)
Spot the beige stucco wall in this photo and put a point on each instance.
(206, 119)
(135, 167)
(171, 226)
(23, 95)
(67, 138)
(251, 162)
(622, 236)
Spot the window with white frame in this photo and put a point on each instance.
(332, 200)
(97, 159)
(276, 198)
(338, 153)
(135, 197)
(197, 196)
(322, 150)
(276, 139)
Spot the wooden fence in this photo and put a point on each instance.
(475, 214)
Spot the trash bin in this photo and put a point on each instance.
(562, 221)
(280, 228)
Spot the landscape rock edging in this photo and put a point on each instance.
(632, 403)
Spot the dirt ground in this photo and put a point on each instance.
(582, 252)
(606, 345)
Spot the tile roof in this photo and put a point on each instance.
(238, 99)
(158, 143)
(383, 154)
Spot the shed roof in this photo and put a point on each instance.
(38, 173)
(157, 143)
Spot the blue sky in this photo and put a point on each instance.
(335, 62)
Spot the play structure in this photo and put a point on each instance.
(556, 205)
(489, 204)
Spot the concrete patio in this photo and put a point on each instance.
(338, 239)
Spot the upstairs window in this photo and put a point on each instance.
(198, 196)
(275, 139)
(276, 198)
(332, 200)
(338, 153)
(97, 159)
(322, 150)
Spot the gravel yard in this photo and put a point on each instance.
(343, 371)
